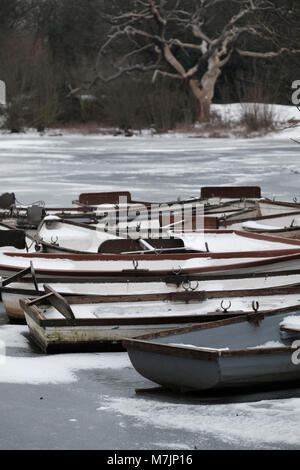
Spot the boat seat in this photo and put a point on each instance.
(231, 192)
(127, 245)
(95, 199)
(15, 238)
(35, 215)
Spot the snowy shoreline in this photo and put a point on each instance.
(286, 120)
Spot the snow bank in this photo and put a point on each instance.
(291, 322)
(268, 422)
(59, 369)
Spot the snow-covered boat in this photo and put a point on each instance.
(226, 252)
(255, 349)
(59, 325)
(77, 323)
(285, 225)
(208, 287)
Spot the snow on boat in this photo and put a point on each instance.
(57, 325)
(245, 351)
(285, 225)
(211, 287)
(13, 289)
(242, 253)
(258, 210)
(77, 323)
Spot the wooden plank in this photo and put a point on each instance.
(32, 311)
(140, 321)
(40, 300)
(228, 192)
(58, 302)
(176, 221)
(129, 245)
(103, 198)
(16, 277)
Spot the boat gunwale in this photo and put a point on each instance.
(39, 318)
(172, 296)
(155, 272)
(199, 353)
(265, 217)
(143, 341)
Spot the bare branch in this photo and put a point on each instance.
(165, 74)
(156, 13)
(263, 55)
(199, 47)
(135, 52)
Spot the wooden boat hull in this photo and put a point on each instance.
(91, 338)
(238, 266)
(268, 254)
(57, 327)
(211, 287)
(292, 233)
(56, 323)
(228, 354)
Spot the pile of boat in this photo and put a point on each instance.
(203, 293)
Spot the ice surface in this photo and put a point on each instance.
(56, 169)
(260, 423)
(60, 369)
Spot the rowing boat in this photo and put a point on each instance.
(60, 324)
(255, 349)
(253, 254)
(79, 324)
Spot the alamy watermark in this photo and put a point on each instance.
(296, 93)
(296, 354)
(136, 220)
(2, 93)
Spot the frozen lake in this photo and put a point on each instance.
(57, 169)
(88, 401)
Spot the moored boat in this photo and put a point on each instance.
(210, 287)
(255, 349)
(58, 325)
(254, 253)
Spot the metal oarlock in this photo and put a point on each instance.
(225, 309)
(54, 241)
(187, 286)
(135, 264)
(177, 273)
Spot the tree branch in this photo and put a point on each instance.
(263, 55)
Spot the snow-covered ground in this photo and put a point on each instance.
(285, 117)
(106, 393)
(94, 393)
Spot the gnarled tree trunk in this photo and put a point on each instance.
(204, 90)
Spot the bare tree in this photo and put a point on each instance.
(189, 40)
